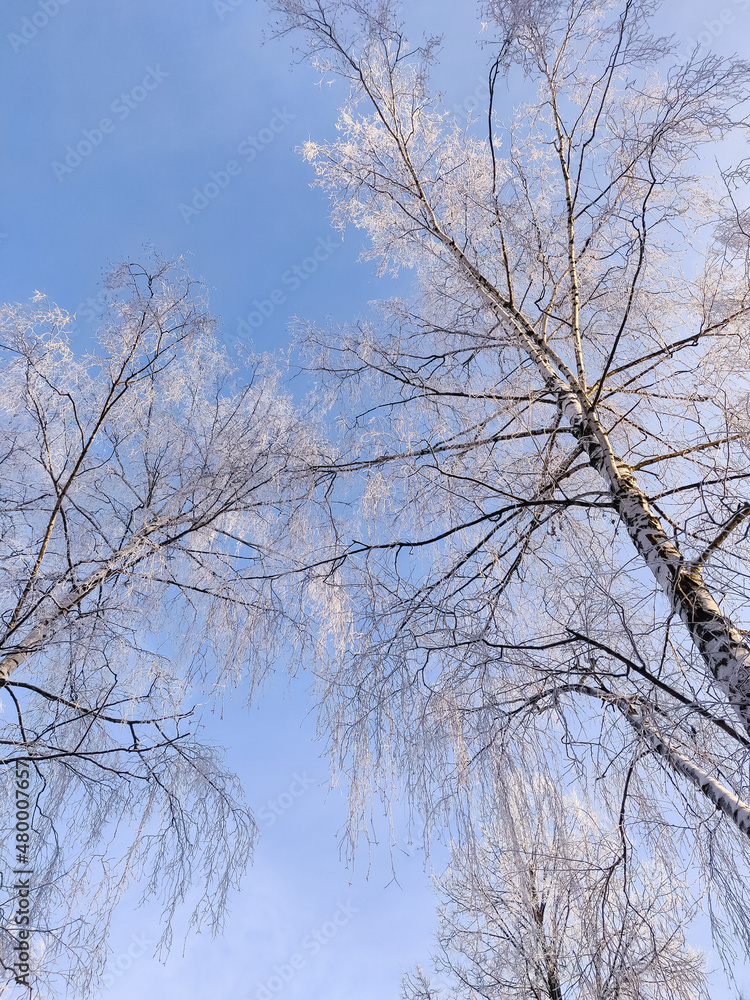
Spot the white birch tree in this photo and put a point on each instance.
(145, 487)
(552, 904)
(550, 437)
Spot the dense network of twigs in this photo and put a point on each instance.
(144, 487)
(550, 438)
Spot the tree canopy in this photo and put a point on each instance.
(516, 558)
(145, 486)
(549, 437)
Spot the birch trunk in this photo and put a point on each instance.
(720, 643)
(62, 603)
(722, 797)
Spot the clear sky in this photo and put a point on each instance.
(173, 125)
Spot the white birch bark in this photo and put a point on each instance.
(716, 791)
(720, 643)
(61, 602)
(551, 242)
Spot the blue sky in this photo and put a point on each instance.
(113, 117)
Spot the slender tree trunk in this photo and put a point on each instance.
(720, 643)
(61, 602)
(722, 646)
